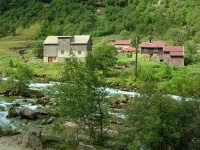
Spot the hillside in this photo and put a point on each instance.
(142, 18)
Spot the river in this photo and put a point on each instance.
(15, 123)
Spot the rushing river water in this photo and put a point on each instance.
(16, 123)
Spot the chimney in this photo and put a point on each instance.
(150, 38)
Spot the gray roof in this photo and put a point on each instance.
(80, 39)
(51, 40)
(76, 39)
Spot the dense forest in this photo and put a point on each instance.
(158, 18)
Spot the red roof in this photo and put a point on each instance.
(152, 44)
(129, 49)
(174, 50)
(123, 42)
(176, 54)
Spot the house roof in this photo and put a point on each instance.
(76, 39)
(123, 42)
(129, 49)
(153, 44)
(174, 50)
(176, 53)
(51, 40)
(80, 39)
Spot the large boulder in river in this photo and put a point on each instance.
(1, 131)
(28, 113)
(33, 138)
(12, 112)
(2, 108)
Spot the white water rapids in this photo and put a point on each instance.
(12, 123)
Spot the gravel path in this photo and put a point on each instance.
(12, 143)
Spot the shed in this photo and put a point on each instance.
(120, 44)
(173, 54)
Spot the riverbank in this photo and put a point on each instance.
(12, 143)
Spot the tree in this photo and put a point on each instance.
(157, 121)
(105, 56)
(80, 98)
(19, 79)
(190, 52)
(176, 36)
(38, 49)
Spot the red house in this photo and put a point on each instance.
(152, 47)
(120, 44)
(173, 54)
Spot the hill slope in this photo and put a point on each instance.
(79, 17)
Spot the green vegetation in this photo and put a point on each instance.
(105, 57)
(155, 120)
(80, 99)
(19, 76)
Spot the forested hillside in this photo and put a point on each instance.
(159, 18)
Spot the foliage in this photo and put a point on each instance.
(80, 98)
(105, 56)
(38, 49)
(18, 13)
(191, 54)
(156, 121)
(79, 17)
(18, 79)
(176, 36)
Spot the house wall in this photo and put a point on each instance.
(119, 47)
(151, 50)
(80, 51)
(50, 50)
(46, 59)
(177, 61)
(64, 43)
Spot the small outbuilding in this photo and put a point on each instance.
(129, 51)
(174, 55)
(120, 44)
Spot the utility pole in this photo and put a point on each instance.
(136, 59)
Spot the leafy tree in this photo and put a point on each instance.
(18, 79)
(176, 36)
(190, 52)
(105, 56)
(157, 121)
(38, 49)
(80, 98)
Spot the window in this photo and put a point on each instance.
(79, 52)
(167, 55)
(62, 51)
(155, 50)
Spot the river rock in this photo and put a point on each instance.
(50, 120)
(83, 146)
(33, 138)
(2, 108)
(1, 131)
(12, 112)
(28, 113)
